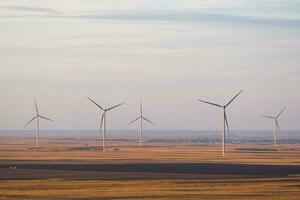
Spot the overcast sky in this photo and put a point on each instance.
(167, 53)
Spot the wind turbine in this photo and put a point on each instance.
(276, 125)
(37, 117)
(224, 117)
(141, 118)
(103, 121)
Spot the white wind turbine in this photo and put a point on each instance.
(276, 125)
(224, 117)
(37, 117)
(141, 118)
(103, 121)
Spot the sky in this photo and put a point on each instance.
(168, 54)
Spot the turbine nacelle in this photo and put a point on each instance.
(37, 115)
(141, 116)
(275, 117)
(104, 109)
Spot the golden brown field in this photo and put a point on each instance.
(275, 188)
(68, 150)
(148, 185)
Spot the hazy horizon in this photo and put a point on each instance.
(169, 54)
(154, 134)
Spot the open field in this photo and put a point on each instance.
(276, 188)
(77, 169)
(85, 152)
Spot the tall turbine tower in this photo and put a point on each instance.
(141, 117)
(103, 121)
(276, 125)
(224, 118)
(37, 117)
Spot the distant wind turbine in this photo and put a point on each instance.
(141, 118)
(224, 117)
(37, 117)
(276, 125)
(103, 121)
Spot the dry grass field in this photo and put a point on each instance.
(23, 183)
(264, 189)
(71, 151)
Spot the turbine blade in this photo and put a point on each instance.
(36, 108)
(30, 121)
(144, 118)
(226, 121)
(234, 98)
(277, 125)
(114, 106)
(45, 118)
(214, 104)
(134, 120)
(95, 103)
(268, 117)
(101, 123)
(281, 112)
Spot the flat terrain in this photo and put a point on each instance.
(14, 150)
(277, 188)
(78, 169)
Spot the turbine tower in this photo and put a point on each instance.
(103, 121)
(37, 117)
(141, 118)
(276, 125)
(224, 117)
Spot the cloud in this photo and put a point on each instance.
(193, 17)
(196, 15)
(30, 9)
